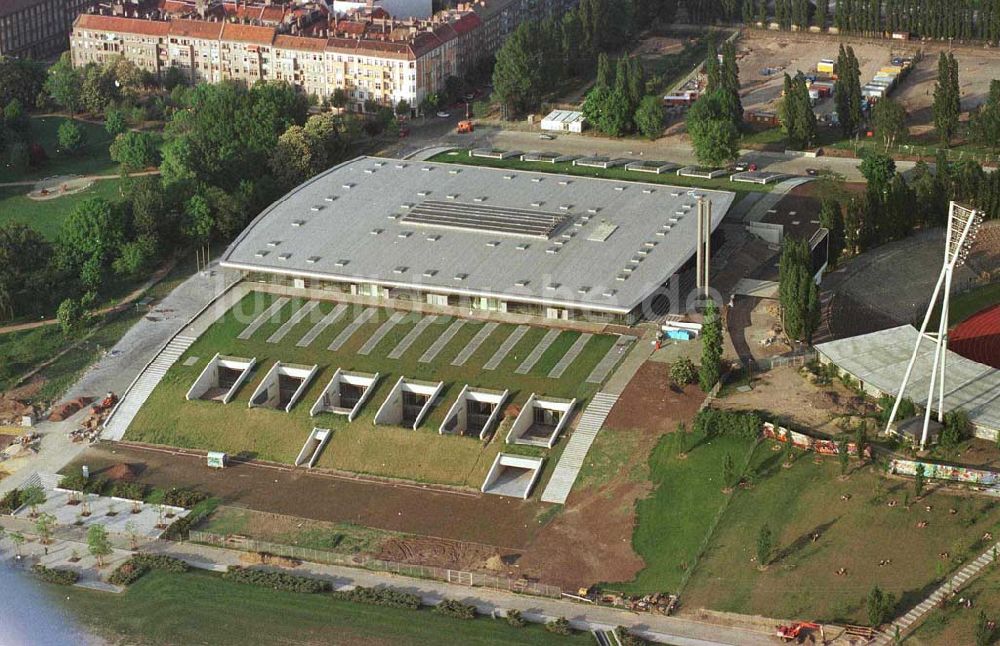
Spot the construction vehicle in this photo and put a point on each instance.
(797, 631)
(105, 404)
(465, 126)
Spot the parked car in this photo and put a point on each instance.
(444, 115)
(546, 137)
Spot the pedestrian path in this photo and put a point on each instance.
(262, 319)
(380, 333)
(919, 612)
(568, 467)
(505, 347)
(536, 354)
(412, 336)
(474, 344)
(570, 356)
(318, 329)
(442, 341)
(608, 361)
(137, 394)
(351, 328)
(295, 319)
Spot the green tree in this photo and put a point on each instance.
(878, 170)
(847, 89)
(114, 122)
(98, 543)
(946, 105)
(861, 439)
(765, 545)
(797, 290)
(985, 120)
(605, 75)
(714, 137)
(198, 219)
(98, 89)
(403, 108)
(843, 456)
(18, 539)
(711, 348)
(649, 117)
(889, 119)
(524, 69)
(64, 84)
(728, 471)
(339, 98)
(70, 315)
(133, 151)
(984, 632)
(796, 113)
(880, 605)
(683, 372)
(713, 72)
(730, 80)
(616, 118)
(918, 480)
(44, 525)
(24, 270)
(822, 10)
(136, 257)
(831, 217)
(94, 229)
(33, 496)
(72, 137)
(298, 156)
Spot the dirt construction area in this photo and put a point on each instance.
(976, 68)
(782, 53)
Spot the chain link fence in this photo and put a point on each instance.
(461, 577)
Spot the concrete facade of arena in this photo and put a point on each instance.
(463, 236)
(878, 361)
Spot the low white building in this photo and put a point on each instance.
(564, 121)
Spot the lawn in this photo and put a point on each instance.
(855, 534)
(956, 624)
(47, 216)
(201, 608)
(94, 159)
(964, 305)
(461, 156)
(360, 447)
(676, 520)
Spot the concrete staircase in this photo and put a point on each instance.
(576, 450)
(137, 394)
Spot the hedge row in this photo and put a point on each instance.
(381, 597)
(133, 569)
(742, 424)
(10, 501)
(55, 575)
(457, 609)
(276, 580)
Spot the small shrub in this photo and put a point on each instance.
(10, 501)
(559, 626)
(627, 638)
(136, 567)
(276, 580)
(388, 597)
(880, 605)
(456, 609)
(55, 575)
(683, 372)
(187, 498)
(515, 619)
(129, 490)
(76, 482)
(741, 424)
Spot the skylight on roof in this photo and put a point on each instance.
(342, 262)
(399, 269)
(298, 223)
(273, 243)
(316, 207)
(284, 256)
(261, 253)
(522, 282)
(330, 198)
(493, 243)
(348, 186)
(430, 273)
(461, 276)
(312, 260)
(376, 232)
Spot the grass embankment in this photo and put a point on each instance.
(956, 624)
(461, 156)
(424, 455)
(964, 305)
(702, 542)
(47, 216)
(202, 608)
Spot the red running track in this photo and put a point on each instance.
(978, 337)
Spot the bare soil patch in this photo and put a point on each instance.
(439, 553)
(590, 541)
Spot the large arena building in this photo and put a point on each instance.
(548, 245)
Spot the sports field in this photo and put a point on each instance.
(423, 455)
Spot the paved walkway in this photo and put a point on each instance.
(380, 333)
(474, 343)
(412, 336)
(262, 318)
(608, 361)
(536, 354)
(351, 328)
(505, 347)
(571, 460)
(295, 319)
(442, 341)
(318, 329)
(570, 356)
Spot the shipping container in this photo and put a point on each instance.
(825, 66)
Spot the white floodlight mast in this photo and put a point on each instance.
(963, 223)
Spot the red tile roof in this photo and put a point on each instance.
(248, 34)
(301, 43)
(467, 23)
(122, 25)
(196, 29)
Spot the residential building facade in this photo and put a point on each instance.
(37, 28)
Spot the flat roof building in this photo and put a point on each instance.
(481, 238)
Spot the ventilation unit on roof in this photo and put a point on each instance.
(376, 232)
(399, 270)
(433, 238)
(602, 231)
(330, 198)
(400, 166)
(522, 246)
(348, 186)
(493, 243)
(452, 196)
(379, 164)
(273, 243)
(608, 293)
(583, 289)
(284, 256)
(647, 191)
(406, 205)
(619, 188)
(423, 193)
(369, 171)
(552, 287)
(312, 260)
(508, 177)
(430, 273)
(404, 234)
(298, 223)
(261, 253)
(552, 250)
(461, 276)
(536, 180)
(342, 262)
(564, 182)
(316, 207)
(454, 171)
(426, 168)
(479, 199)
(565, 207)
(521, 283)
